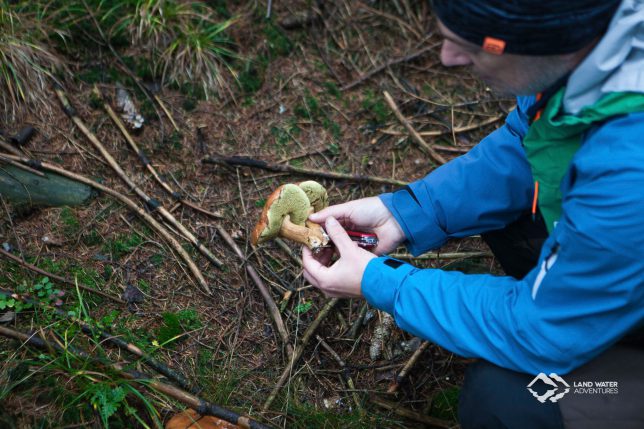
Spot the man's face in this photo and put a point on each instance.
(507, 74)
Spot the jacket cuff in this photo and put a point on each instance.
(381, 280)
(420, 227)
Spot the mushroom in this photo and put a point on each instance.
(318, 199)
(316, 194)
(284, 215)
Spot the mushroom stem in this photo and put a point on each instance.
(313, 237)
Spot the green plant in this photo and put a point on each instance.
(122, 245)
(445, 403)
(176, 324)
(278, 43)
(71, 225)
(375, 107)
(303, 307)
(182, 41)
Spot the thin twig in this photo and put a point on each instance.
(357, 324)
(371, 73)
(299, 350)
(201, 406)
(6, 146)
(408, 366)
(133, 206)
(455, 130)
(40, 271)
(392, 104)
(245, 161)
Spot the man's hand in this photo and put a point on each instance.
(344, 277)
(366, 215)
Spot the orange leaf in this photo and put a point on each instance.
(189, 419)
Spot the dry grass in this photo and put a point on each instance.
(27, 64)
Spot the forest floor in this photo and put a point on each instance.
(311, 97)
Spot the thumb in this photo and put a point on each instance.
(338, 235)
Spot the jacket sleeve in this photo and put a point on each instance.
(585, 293)
(483, 190)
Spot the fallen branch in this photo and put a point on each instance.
(40, 271)
(150, 202)
(202, 407)
(408, 366)
(21, 166)
(413, 415)
(423, 144)
(299, 350)
(263, 290)
(132, 205)
(243, 161)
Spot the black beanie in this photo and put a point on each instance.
(535, 27)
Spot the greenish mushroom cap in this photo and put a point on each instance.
(287, 200)
(316, 194)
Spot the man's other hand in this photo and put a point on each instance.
(366, 215)
(343, 278)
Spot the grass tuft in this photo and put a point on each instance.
(26, 63)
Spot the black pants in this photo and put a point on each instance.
(495, 398)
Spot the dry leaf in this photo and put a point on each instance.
(189, 419)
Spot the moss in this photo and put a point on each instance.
(310, 109)
(332, 89)
(175, 324)
(92, 238)
(157, 259)
(445, 404)
(278, 44)
(122, 245)
(147, 109)
(251, 76)
(70, 223)
(376, 108)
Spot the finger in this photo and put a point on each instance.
(311, 265)
(310, 279)
(338, 211)
(338, 235)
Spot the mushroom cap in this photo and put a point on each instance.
(316, 193)
(287, 200)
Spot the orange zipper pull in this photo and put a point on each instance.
(534, 200)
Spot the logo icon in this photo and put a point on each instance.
(558, 390)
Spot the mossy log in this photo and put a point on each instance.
(26, 189)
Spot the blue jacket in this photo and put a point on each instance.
(587, 290)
